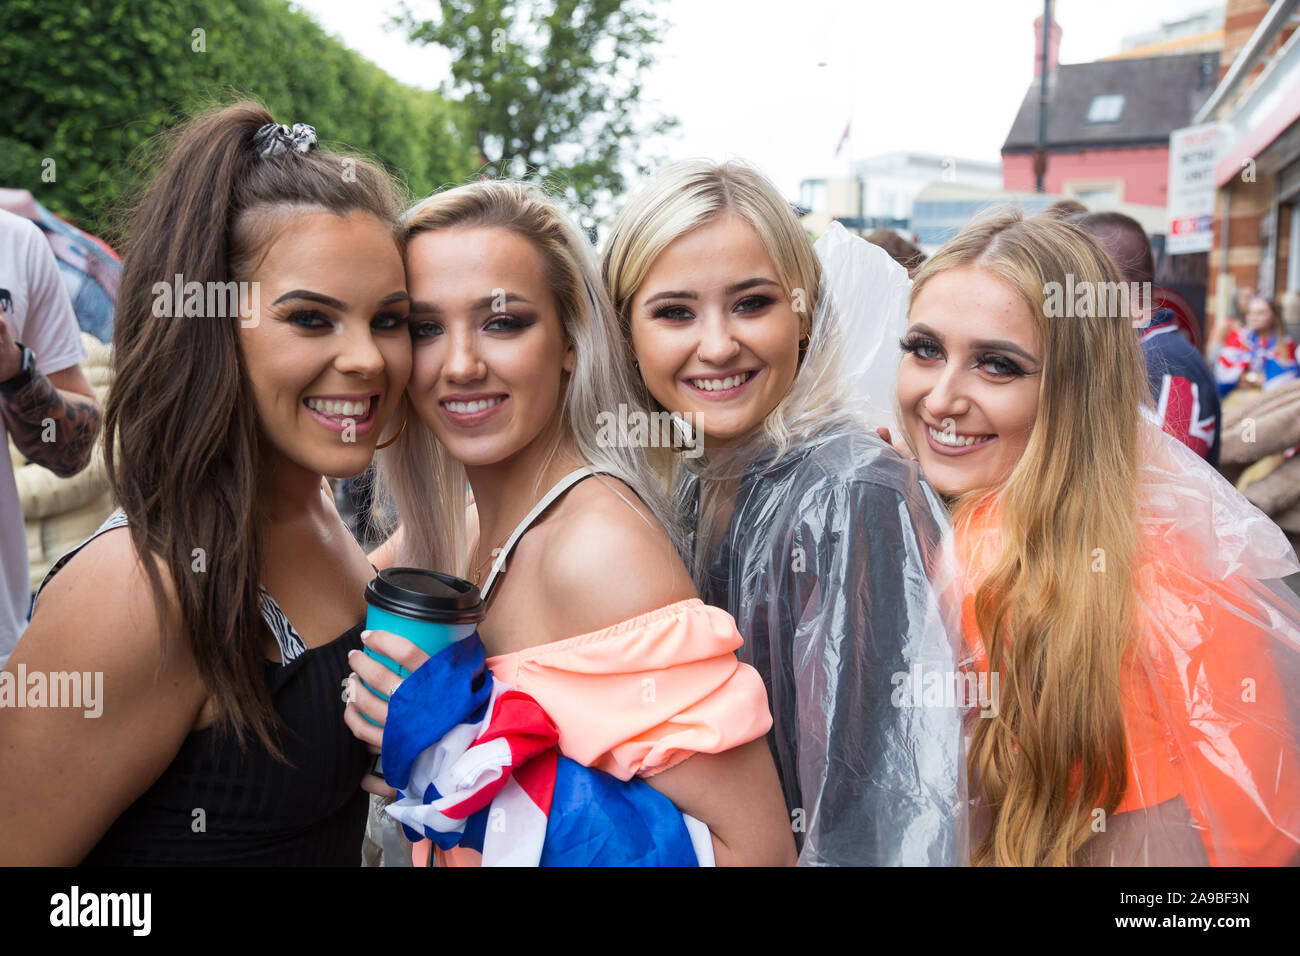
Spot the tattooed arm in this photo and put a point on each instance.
(53, 420)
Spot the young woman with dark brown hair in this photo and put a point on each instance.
(261, 344)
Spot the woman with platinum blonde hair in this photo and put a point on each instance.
(826, 545)
(516, 358)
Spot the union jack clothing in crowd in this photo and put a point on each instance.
(1244, 351)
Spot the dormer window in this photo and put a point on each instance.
(1106, 108)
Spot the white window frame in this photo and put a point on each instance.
(1105, 104)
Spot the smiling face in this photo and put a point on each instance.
(490, 354)
(1259, 317)
(969, 378)
(714, 332)
(329, 353)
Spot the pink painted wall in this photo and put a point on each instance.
(1145, 171)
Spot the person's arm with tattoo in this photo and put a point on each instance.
(53, 419)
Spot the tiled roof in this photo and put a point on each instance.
(1162, 94)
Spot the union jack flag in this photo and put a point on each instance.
(476, 764)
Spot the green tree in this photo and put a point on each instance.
(85, 86)
(552, 88)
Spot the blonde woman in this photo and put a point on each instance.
(1119, 588)
(818, 537)
(589, 608)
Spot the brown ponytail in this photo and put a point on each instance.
(181, 440)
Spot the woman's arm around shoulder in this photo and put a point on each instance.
(609, 563)
(67, 772)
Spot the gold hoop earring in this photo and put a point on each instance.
(406, 413)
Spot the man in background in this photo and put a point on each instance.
(1187, 399)
(46, 404)
(900, 250)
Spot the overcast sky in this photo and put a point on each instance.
(776, 82)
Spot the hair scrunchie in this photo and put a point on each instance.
(276, 138)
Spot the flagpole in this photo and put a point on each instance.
(852, 178)
(855, 180)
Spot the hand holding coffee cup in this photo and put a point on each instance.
(367, 712)
(367, 689)
(429, 609)
(412, 614)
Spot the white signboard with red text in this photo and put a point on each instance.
(1193, 153)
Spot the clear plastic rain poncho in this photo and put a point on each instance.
(1211, 692)
(833, 555)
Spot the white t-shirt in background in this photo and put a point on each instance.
(36, 307)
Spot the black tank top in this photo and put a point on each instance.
(218, 804)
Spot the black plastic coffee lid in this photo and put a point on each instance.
(426, 596)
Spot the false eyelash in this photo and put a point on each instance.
(759, 302)
(509, 323)
(298, 315)
(1010, 366)
(914, 343)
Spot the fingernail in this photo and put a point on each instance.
(351, 652)
(365, 637)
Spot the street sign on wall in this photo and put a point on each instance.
(1193, 153)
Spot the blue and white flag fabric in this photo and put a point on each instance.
(476, 765)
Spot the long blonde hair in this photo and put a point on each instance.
(418, 477)
(679, 199)
(1056, 610)
(692, 193)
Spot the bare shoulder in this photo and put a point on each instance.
(605, 558)
(100, 609)
(95, 636)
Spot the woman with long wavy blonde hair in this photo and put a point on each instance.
(1113, 582)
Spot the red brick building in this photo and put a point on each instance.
(1257, 102)
(1108, 124)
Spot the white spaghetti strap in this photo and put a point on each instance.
(548, 499)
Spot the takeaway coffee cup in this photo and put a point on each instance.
(429, 609)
